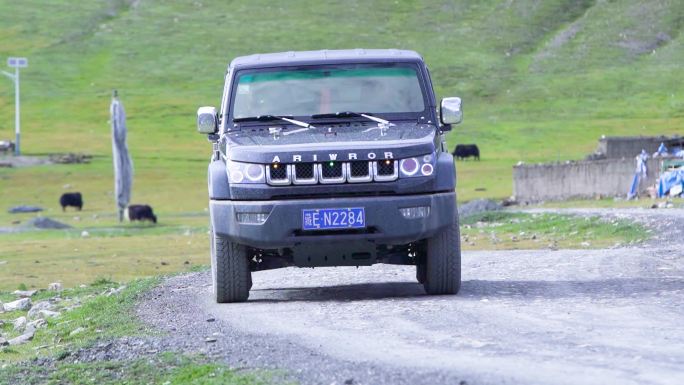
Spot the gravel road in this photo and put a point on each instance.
(610, 316)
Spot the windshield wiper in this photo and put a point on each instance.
(267, 118)
(347, 114)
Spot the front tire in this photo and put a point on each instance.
(231, 276)
(442, 262)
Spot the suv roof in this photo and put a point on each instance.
(323, 57)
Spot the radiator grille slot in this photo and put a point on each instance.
(331, 170)
(358, 171)
(385, 168)
(278, 171)
(304, 173)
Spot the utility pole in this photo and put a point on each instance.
(16, 63)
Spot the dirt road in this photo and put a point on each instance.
(613, 316)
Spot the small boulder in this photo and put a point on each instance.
(20, 304)
(20, 323)
(24, 293)
(85, 234)
(55, 286)
(78, 330)
(38, 307)
(114, 291)
(37, 324)
(44, 314)
(3, 342)
(24, 338)
(477, 206)
(24, 209)
(45, 223)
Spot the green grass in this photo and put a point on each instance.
(541, 81)
(168, 368)
(511, 230)
(105, 318)
(529, 95)
(120, 252)
(100, 316)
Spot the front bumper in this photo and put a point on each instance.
(384, 222)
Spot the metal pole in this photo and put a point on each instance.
(17, 129)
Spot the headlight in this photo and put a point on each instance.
(246, 172)
(418, 166)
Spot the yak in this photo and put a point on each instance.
(464, 151)
(73, 199)
(141, 213)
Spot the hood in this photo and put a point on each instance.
(341, 142)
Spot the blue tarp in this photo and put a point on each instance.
(668, 180)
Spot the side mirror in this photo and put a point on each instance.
(206, 120)
(450, 111)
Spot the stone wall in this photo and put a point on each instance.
(580, 179)
(616, 147)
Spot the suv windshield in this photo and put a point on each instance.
(372, 88)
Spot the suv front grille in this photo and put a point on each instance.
(359, 171)
(385, 170)
(278, 174)
(304, 173)
(332, 172)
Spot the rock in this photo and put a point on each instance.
(477, 206)
(24, 209)
(3, 342)
(20, 304)
(77, 331)
(114, 291)
(37, 324)
(24, 338)
(45, 223)
(24, 293)
(210, 339)
(45, 314)
(38, 307)
(211, 319)
(20, 323)
(85, 234)
(55, 286)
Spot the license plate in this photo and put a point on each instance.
(326, 219)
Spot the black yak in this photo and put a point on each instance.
(464, 151)
(141, 213)
(73, 199)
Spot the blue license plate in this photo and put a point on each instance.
(327, 219)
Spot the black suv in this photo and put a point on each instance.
(331, 158)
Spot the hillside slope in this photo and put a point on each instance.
(541, 80)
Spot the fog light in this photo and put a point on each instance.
(251, 218)
(236, 176)
(426, 169)
(415, 212)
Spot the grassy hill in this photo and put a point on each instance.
(541, 80)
